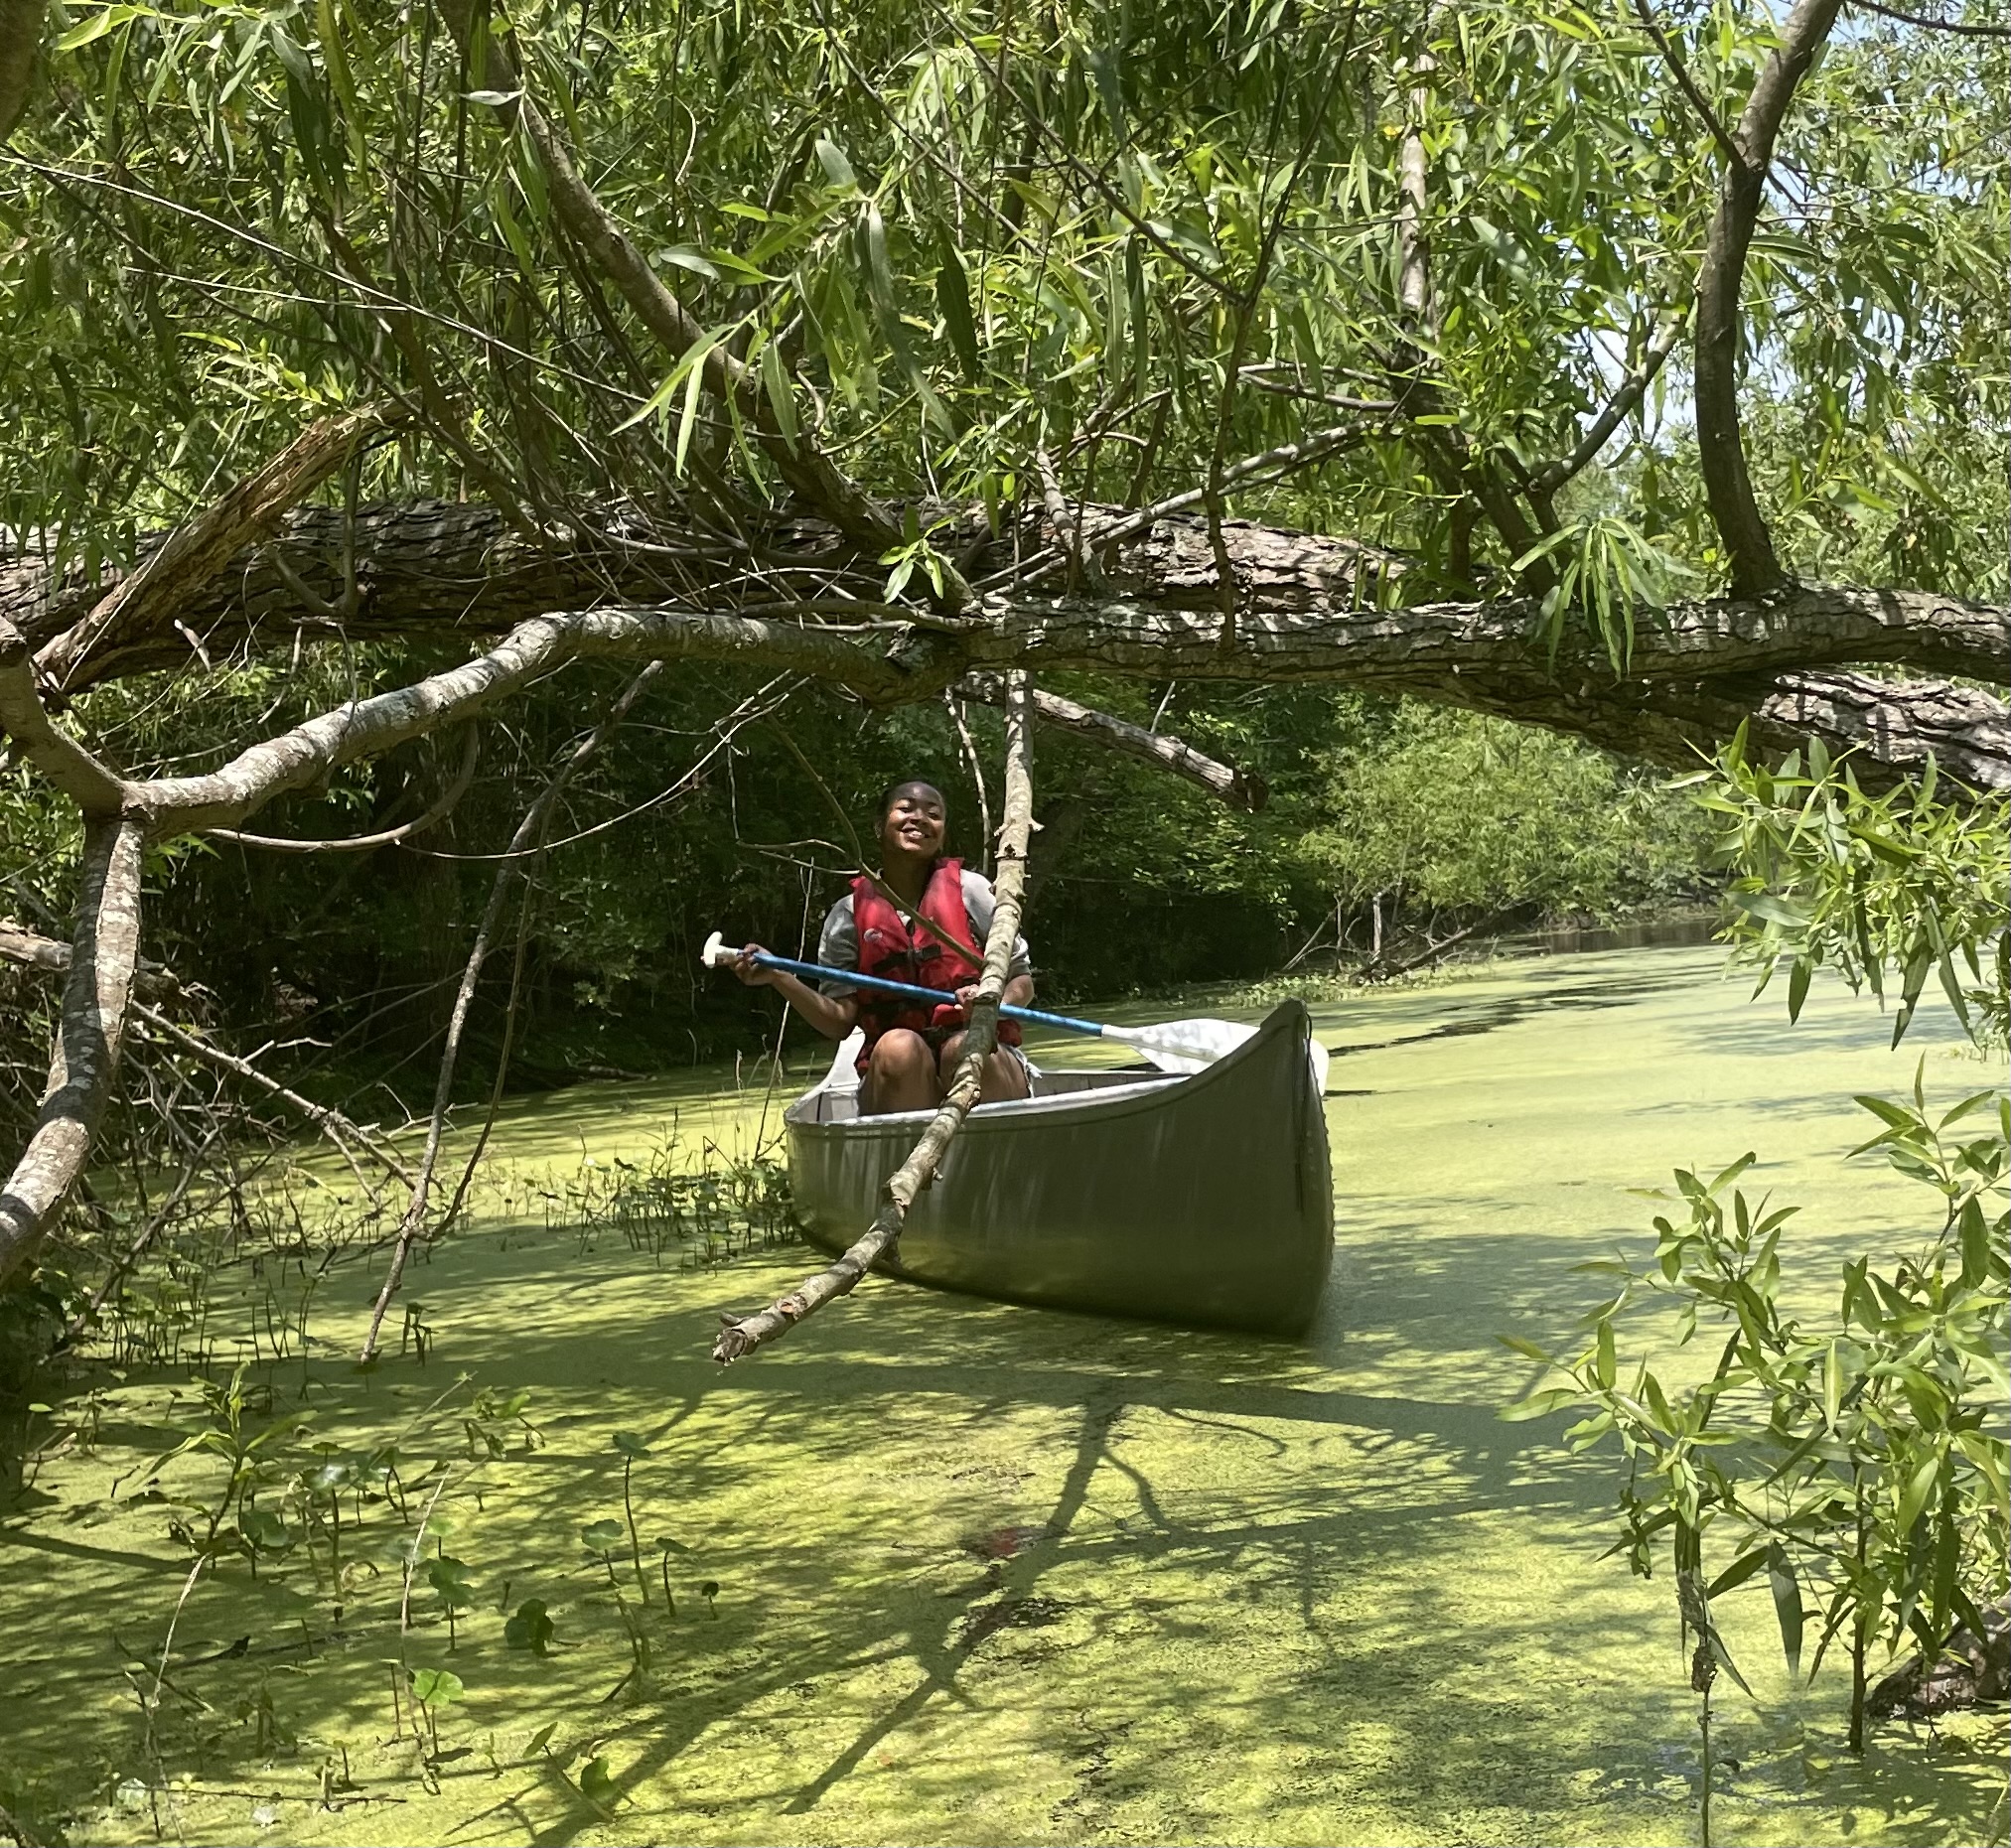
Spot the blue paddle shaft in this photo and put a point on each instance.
(851, 978)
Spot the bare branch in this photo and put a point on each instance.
(151, 597)
(530, 833)
(1721, 445)
(1114, 526)
(1680, 70)
(103, 955)
(331, 1124)
(1239, 789)
(32, 949)
(741, 1338)
(1960, 26)
(58, 756)
(1628, 394)
(449, 801)
(1446, 651)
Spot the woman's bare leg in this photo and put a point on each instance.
(1004, 1078)
(900, 1076)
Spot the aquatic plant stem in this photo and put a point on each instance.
(412, 1558)
(167, 1648)
(741, 1336)
(635, 1545)
(1704, 1732)
(530, 830)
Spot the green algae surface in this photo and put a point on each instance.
(956, 1571)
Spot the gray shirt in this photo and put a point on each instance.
(838, 946)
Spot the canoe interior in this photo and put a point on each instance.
(833, 1106)
(1202, 1199)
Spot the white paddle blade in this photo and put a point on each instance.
(1184, 1045)
(1190, 1046)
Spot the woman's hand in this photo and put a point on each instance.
(750, 971)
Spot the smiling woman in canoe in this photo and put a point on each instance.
(911, 1048)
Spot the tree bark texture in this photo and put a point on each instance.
(1721, 445)
(103, 957)
(434, 569)
(742, 1337)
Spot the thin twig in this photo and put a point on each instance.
(1688, 85)
(364, 843)
(530, 829)
(1936, 24)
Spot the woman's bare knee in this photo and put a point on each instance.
(899, 1052)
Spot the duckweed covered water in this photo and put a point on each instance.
(989, 1573)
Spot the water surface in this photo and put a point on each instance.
(994, 1574)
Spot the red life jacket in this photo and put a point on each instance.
(889, 950)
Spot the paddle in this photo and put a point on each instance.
(1182, 1046)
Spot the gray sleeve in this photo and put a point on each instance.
(978, 905)
(838, 946)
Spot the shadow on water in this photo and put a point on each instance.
(1490, 1013)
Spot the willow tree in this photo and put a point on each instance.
(1627, 374)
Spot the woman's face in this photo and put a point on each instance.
(913, 826)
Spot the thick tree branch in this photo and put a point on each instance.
(1721, 446)
(96, 790)
(742, 1337)
(1239, 789)
(30, 949)
(103, 955)
(151, 598)
(1459, 653)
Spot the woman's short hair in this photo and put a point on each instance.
(892, 791)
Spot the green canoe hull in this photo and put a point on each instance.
(1206, 1200)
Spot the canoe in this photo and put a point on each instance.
(1202, 1199)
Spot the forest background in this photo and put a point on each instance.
(820, 212)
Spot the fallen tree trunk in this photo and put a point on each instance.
(433, 568)
(1784, 660)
